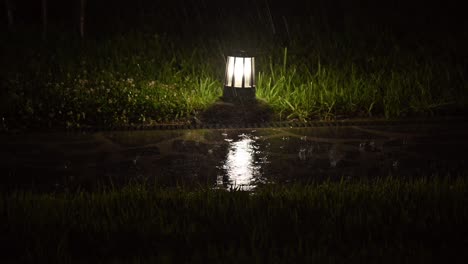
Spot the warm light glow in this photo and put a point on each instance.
(240, 72)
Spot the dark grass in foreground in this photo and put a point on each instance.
(390, 220)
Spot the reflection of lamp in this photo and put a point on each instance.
(240, 166)
(239, 81)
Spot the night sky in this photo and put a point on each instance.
(215, 17)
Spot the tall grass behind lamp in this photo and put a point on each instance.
(239, 81)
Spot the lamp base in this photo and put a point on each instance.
(232, 93)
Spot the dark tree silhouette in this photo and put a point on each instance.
(9, 13)
(44, 19)
(82, 18)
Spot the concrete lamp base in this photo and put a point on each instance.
(232, 93)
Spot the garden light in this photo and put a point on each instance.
(239, 81)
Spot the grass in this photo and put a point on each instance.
(385, 220)
(328, 91)
(116, 82)
(146, 78)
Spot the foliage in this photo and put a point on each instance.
(116, 82)
(143, 78)
(383, 219)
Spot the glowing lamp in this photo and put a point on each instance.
(239, 81)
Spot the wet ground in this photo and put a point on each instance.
(231, 157)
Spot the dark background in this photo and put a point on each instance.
(208, 17)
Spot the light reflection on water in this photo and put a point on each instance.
(241, 170)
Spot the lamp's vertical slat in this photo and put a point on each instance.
(226, 73)
(248, 72)
(252, 74)
(233, 84)
(243, 73)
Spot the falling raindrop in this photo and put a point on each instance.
(302, 154)
(335, 155)
(135, 160)
(362, 146)
(372, 145)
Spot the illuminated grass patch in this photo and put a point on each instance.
(146, 79)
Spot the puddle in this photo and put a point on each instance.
(242, 166)
(230, 158)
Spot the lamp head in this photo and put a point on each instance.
(239, 79)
